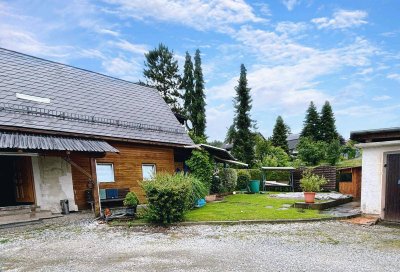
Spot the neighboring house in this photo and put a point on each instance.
(66, 132)
(380, 182)
(293, 141)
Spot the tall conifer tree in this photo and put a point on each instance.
(199, 103)
(328, 131)
(311, 128)
(187, 85)
(243, 144)
(280, 133)
(161, 72)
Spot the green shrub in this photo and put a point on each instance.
(243, 178)
(169, 196)
(255, 174)
(277, 175)
(311, 182)
(201, 166)
(228, 178)
(131, 200)
(216, 185)
(199, 190)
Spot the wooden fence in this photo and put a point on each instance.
(329, 172)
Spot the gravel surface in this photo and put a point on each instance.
(77, 243)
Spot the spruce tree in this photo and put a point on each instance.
(187, 85)
(311, 128)
(230, 134)
(199, 103)
(243, 144)
(161, 72)
(280, 133)
(328, 128)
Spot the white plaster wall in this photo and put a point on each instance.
(373, 178)
(53, 182)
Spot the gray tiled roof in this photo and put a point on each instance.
(106, 106)
(45, 142)
(293, 141)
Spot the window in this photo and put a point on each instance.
(148, 170)
(105, 172)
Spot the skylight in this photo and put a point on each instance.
(33, 98)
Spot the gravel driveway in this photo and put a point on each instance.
(76, 243)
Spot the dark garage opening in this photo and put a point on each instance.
(16, 181)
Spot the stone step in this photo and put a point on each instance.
(15, 210)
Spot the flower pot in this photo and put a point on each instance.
(211, 198)
(309, 197)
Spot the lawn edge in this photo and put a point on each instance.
(243, 222)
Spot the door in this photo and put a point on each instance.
(392, 199)
(23, 180)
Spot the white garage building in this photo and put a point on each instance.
(380, 185)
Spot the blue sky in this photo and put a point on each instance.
(347, 52)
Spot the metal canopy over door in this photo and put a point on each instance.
(23, 179)
(392, 199)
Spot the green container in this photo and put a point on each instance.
(254, 186)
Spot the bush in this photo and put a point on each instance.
(311, 182)
(243, 178)
(201, 166)
(255, 174)
(216, 185)
(228, 178)
(131, 200)
(199, 190)
(169, 196)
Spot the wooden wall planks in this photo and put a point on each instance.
(127, 168)
(354, 187)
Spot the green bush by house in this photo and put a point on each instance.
(243, 179)
(169, 196)
(228, 178)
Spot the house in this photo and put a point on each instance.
(293, 141)
(67, 133)
(380, 183)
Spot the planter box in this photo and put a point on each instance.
(211, 198)
(323, 205)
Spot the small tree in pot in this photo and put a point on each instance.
(310, 184)
(130, 202)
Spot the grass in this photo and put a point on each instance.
(249, 207)
(349, 163)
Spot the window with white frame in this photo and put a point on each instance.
(105, 172)
(148, 171)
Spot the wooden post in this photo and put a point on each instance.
(96, 197)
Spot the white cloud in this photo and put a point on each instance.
(381, 98)
(122, 68)
(198, 14)
(26, 42)
(342, 19)
(290, 4)
(366, 110)
(291, 27)
(130, 47)
(394, 76)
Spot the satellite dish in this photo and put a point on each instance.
(189, 124)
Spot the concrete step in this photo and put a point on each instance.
(33, 217)
(15, 210)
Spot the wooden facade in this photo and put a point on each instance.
(127, 166)
(350, 186)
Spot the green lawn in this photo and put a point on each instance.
(249, 207)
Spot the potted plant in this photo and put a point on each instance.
(310, 184)
(130, 202)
